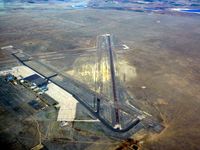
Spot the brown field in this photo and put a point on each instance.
(164, 50)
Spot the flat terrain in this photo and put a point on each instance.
(164, 52)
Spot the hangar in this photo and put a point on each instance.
(37, 80)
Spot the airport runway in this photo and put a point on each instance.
(6, 57)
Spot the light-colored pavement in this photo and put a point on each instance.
(66, 101)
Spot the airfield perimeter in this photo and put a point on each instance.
(164, 50)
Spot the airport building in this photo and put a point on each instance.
(37, 82)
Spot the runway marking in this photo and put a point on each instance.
(57, 58)
(125, 46)
(45, 56)
(6, 47)
(45, 53)
(97, 120)
(7, 61)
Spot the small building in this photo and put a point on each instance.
(36, 105)
(48, 100)
(10, 77)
